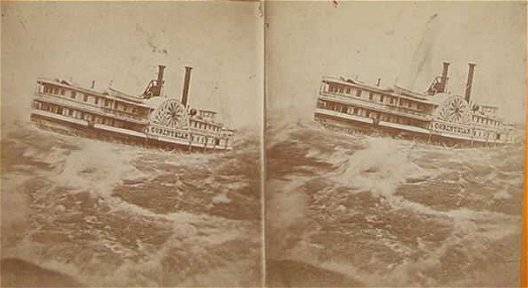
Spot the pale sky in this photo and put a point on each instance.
(400, 42)
(124, 42)
(391, 40)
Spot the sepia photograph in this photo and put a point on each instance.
(131, 142)
(394, 143)
(274, 143)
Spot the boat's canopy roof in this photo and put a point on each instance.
(123, 95)
(440, 98)
(111, 94)
(155, 102)
(393, 91)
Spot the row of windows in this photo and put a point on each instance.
(486, 134)
(100, 101)
(486, 121)
(76, 114)
(203, 139)
(352, 110)
(73, 113)
(385, 99)
(205, 126)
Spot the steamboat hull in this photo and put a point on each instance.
(81, 128)
(358, 127)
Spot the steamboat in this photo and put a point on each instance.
(151, 119)
(435, 116)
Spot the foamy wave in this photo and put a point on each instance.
(379, 168)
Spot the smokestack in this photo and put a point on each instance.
(185, 94)
(444, 78)
(378, 83)
(159, 82)
(93, 84)
(469, 81)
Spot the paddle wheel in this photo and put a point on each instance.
(170, 114)
(454, 110)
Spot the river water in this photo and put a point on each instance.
(363, 211)
(87, 212)
(340, 211)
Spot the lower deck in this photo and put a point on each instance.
(80, 127)
(364, 126)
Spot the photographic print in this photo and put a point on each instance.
(131, 144)
(262, 143)
(395, 143)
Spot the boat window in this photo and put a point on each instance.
(381, 98)
(358, 92)
(85, 98)
(391, 100)
(73, 94)
(56, 90)
(96, 100)
(355, 110)
(62, 91)
(371, 96)
(409, 104)
(341, 89)
(107, 102)
(348, 90)
(367, 114)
